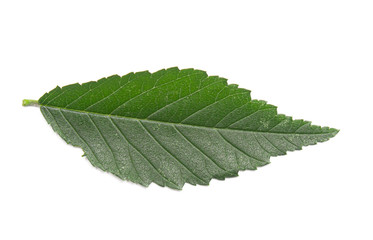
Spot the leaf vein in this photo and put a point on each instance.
(82, 139)
(151, 164)
(291, 142)
(102, 99)
(81, 96)
(211, 104)
(245, 153)
(154, 87)
(256, 139)
(277, 124)
(282, 151)
(234, 109)
(169, 153)
(128, 148)
(200, 150)
(250, 115)
(170, 104)
(107, 144)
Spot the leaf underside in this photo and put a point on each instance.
(173, 126)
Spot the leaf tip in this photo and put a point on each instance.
(333, 131)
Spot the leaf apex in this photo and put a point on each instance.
(333, 131)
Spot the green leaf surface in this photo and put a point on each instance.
(173, 126)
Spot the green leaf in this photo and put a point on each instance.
(173, 126)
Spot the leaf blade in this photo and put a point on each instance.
(173, 126)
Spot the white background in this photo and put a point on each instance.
(313, 59)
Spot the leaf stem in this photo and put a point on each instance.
(29, 102)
